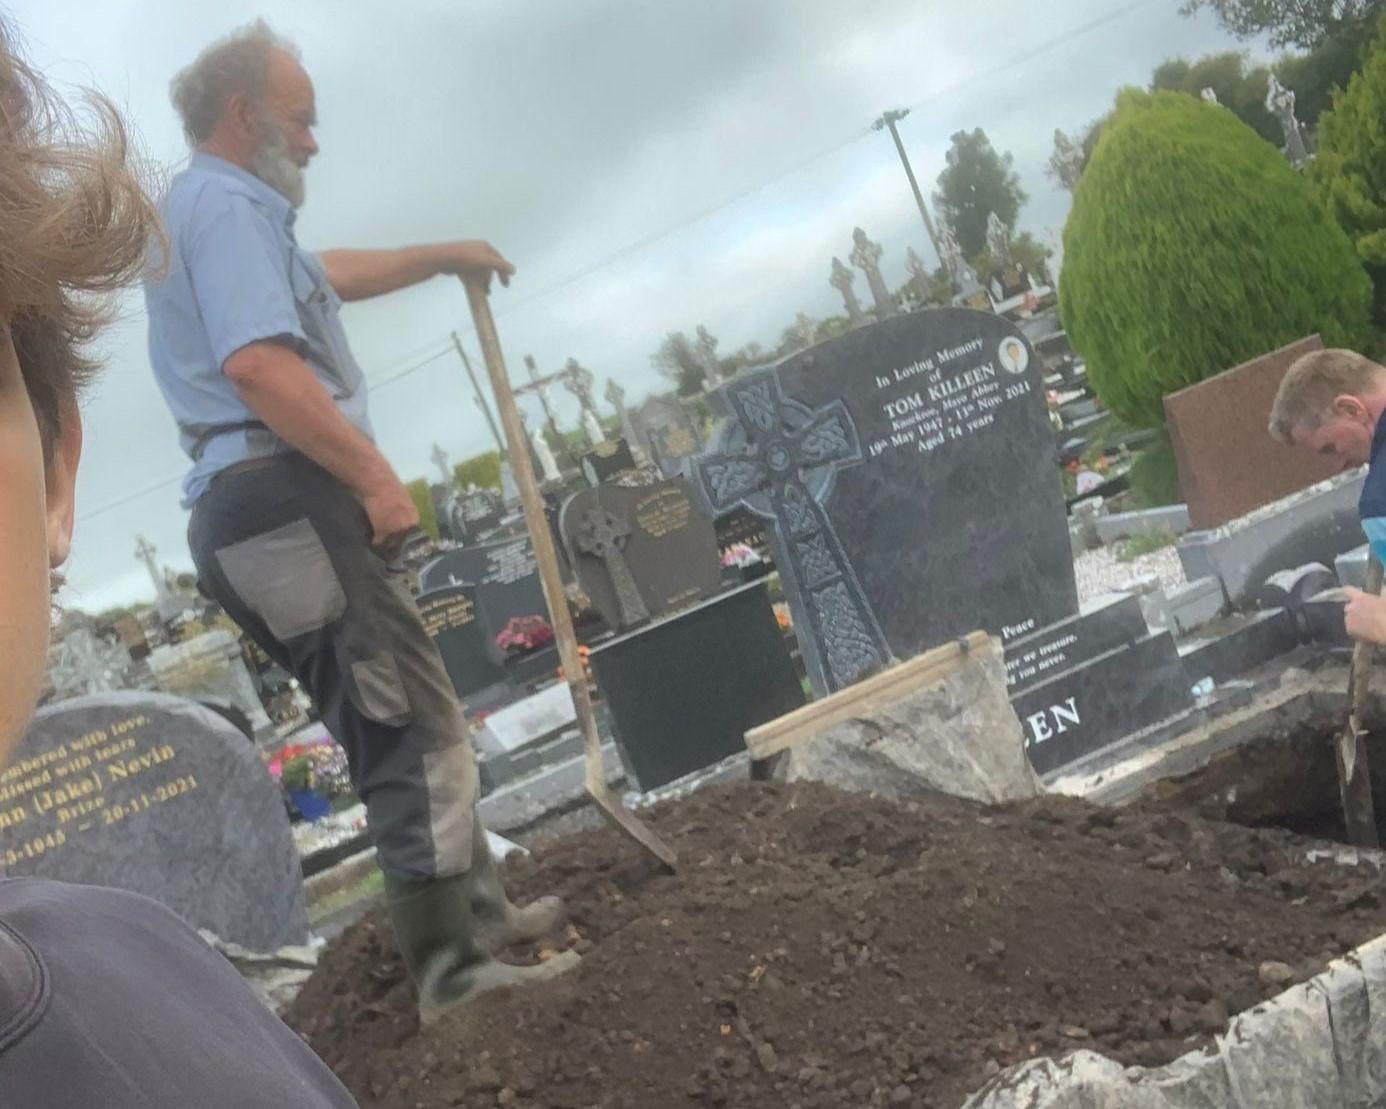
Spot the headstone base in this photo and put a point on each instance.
(1100, 701)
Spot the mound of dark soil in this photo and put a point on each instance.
(818, 948)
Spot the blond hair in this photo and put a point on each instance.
(74, 221)
(1314, 381)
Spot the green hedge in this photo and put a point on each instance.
(1194, 245)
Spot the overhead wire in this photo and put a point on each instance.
(444, 344)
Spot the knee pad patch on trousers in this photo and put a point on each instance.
(377, 690)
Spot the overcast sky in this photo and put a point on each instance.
(647, 166)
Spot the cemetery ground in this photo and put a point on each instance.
(823, 948)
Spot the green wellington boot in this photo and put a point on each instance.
(437, 933)
(500, 922)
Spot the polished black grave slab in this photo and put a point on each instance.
(683, 691)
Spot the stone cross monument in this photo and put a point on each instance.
(842, 280)
(707, 357)
(578, 380)
(959, 272)
(548, 464)
(919, 273)
(440, 459)
(1280, 102)
(998, 240)
(593, 427)
(866, 256)
(145, 552)
(616, 397)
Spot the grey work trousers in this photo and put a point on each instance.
(285, 549)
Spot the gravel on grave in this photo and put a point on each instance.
(819, 948)
(1100, 571)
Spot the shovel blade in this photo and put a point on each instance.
(627, 822)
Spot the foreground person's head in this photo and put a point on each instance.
(73, 224)
(248, 100)
(1330, 402)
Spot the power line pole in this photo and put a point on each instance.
(480, 396)
(888, 122)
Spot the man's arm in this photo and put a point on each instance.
(282, 390)
(359, 274)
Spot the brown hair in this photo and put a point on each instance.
(1310, 386)
(74, 222)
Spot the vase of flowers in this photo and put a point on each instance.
(314, 776)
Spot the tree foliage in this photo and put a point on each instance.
(1350, 171)
(1193, 246)
(677, 359)
(1240, 89)
(1302, 23)
(422, 497)
(482, 470)
(976, 182)
(1314, 76)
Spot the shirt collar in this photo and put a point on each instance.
(272, 198)
(1379, 437)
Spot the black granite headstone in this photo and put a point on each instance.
(905, 471)
(504, 573)
(1072, 642)
(1103, 700)
(740, 526)
(683, 691)
(480, 511)
(473, 660)
(607, 460)
(160, 796)
(641, 551)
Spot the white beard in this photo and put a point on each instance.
(273, 165)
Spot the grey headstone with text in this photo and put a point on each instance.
(160, 796)
(641, 552)
(667, 433)
(906, 474)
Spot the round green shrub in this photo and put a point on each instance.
(1193, 246)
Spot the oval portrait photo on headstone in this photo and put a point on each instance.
(1014, 356)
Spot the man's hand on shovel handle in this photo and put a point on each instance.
(1366, 616)
(474, 258)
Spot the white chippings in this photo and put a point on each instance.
(1100, 571)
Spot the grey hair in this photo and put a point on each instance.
(238, 63)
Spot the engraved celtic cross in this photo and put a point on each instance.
(603, 535)
(779, 460)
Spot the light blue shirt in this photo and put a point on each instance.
(235, 276)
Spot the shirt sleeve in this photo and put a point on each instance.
(238, 263)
